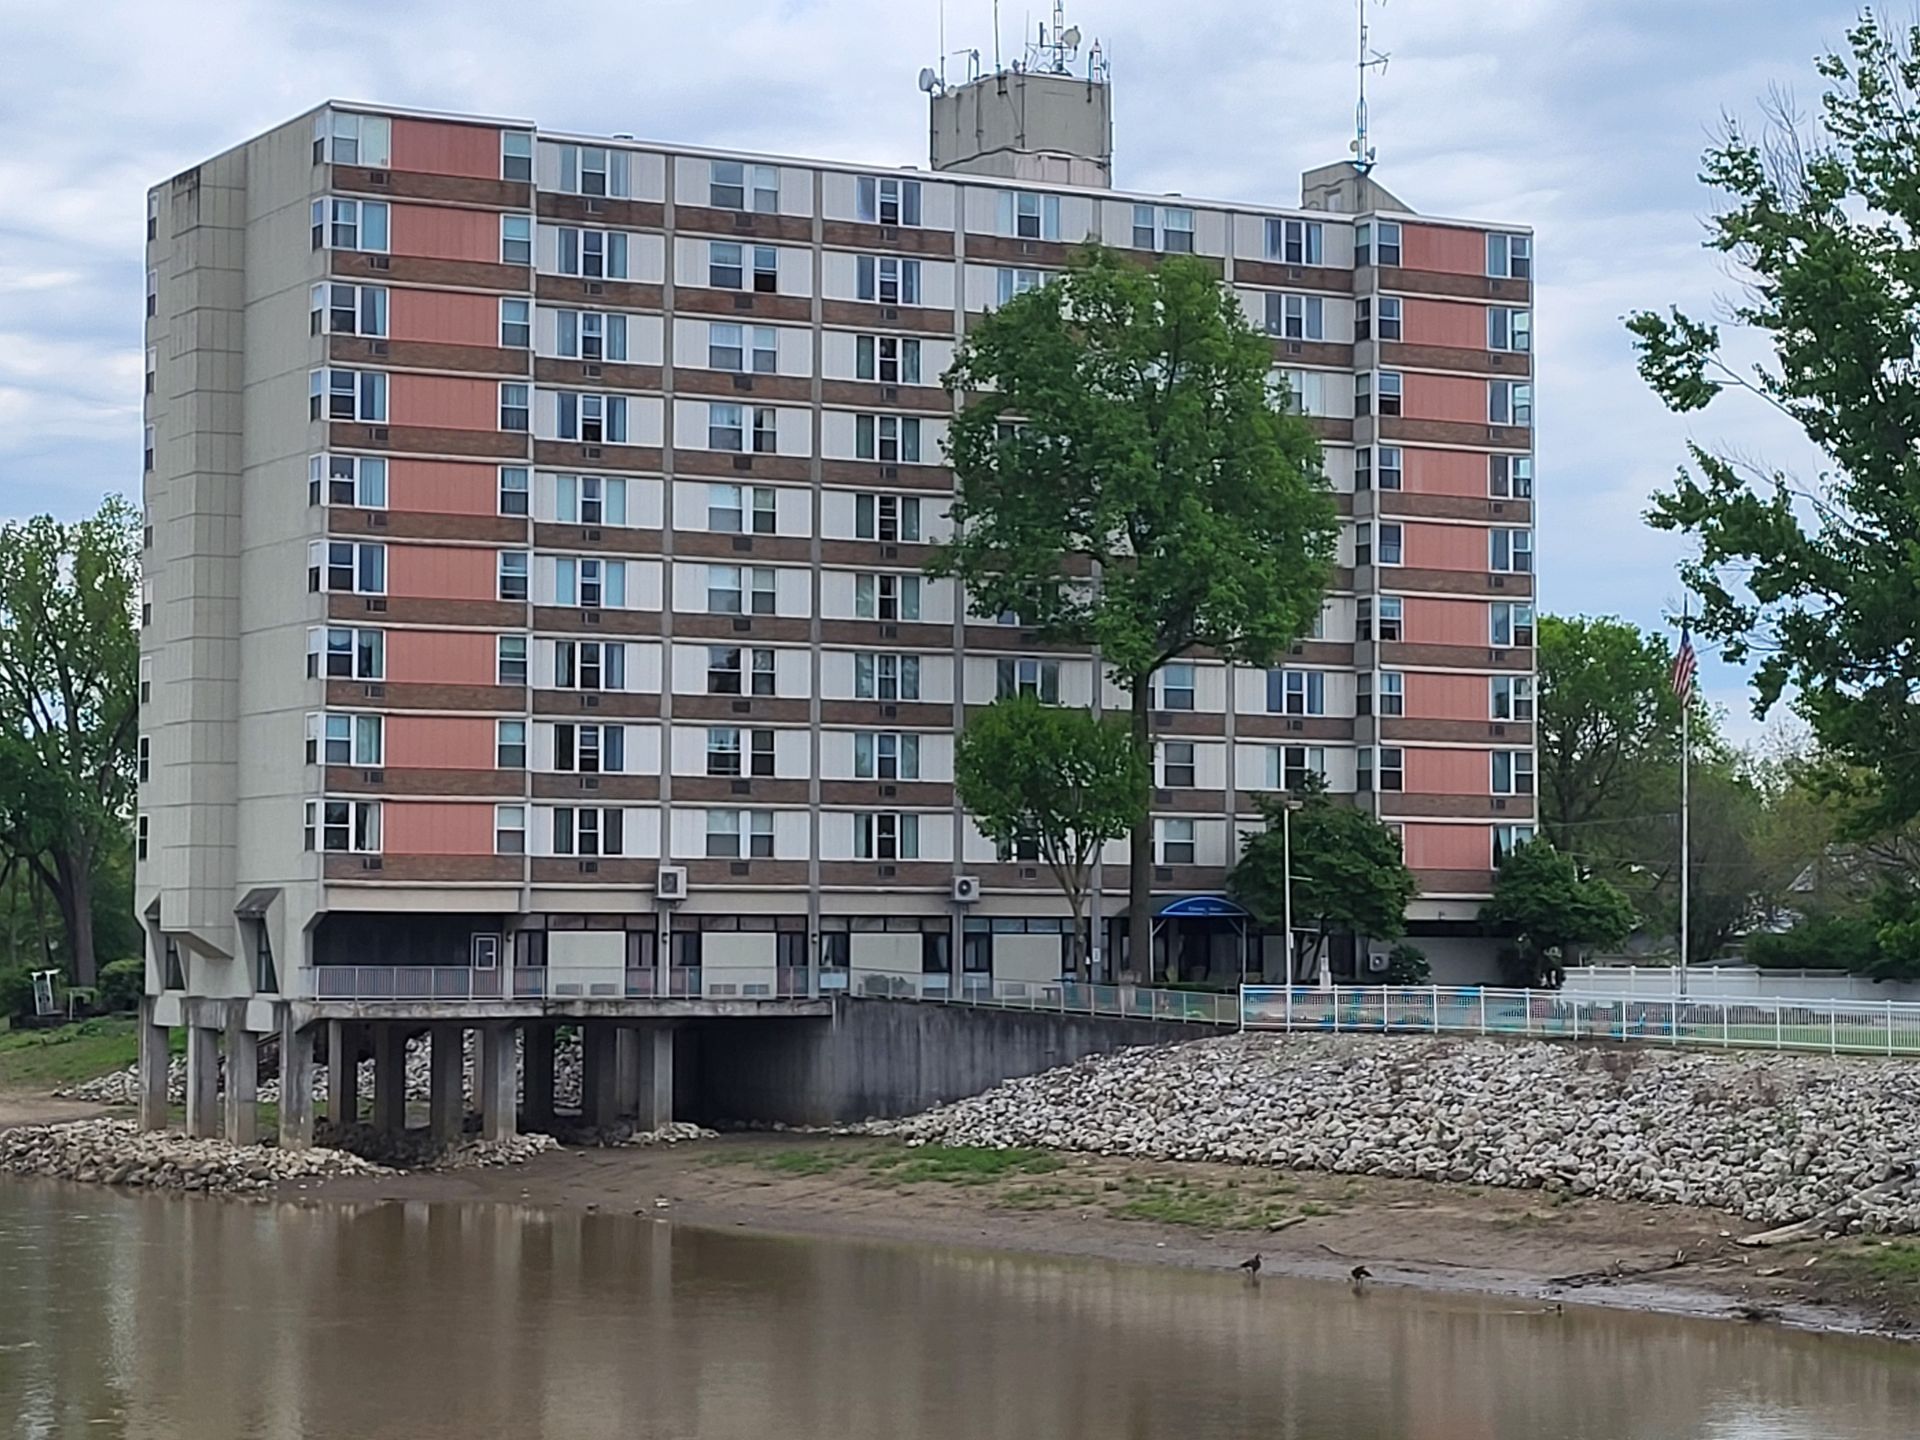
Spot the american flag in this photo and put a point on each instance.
(1684, 664)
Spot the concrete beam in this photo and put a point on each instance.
(446, 1084)
(343, 1072)
(655, 1107)
(203, 1082)
(155, 1060)
(499, 1077)
(390, 1079)
(296, 1084)
(536, 1069)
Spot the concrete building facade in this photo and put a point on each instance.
(533, 606)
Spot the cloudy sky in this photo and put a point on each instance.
(1585, 117)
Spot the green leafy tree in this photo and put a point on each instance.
(69, 660)
(1059, 780)
(1817, 580)
(1348, 877)
(1127, 479)
(1548, 909)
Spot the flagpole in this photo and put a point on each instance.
(1686, 756)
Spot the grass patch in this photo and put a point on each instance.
(962, 1164)
(1207, 1207)
(1899, 1260)
(45, 1059)
(801, 1162)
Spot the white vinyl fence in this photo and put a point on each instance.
(1744, 981)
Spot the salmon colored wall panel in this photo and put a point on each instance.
(1447, 547)
(440, 657)
(1447, 697)
(443, 487)
(445, 318)
(433, 147)
(1447, 847)
(1436, 322)
(435, 742)
(414, 827)
(1446, 622)
(1445, 397)
(1449, 772)
(441, 572)
(1422, 247)
(446, 403)
(1443, 472)
(442, 234)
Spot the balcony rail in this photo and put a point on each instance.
(461, 983)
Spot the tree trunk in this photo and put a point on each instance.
(1140, 855)
(75, 898)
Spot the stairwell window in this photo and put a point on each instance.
(1294, 242)
(1513, 772)
(351, 826)
(1511, 698)
(888, 200)
(1025, 215)
(350, 225)
(886, 836)
(343, 139)
(1510, 551)
(594, 170)
(591, 254)
(1510, 257)
(735, 185)
(887, 280)
(1173, 842)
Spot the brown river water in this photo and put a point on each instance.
(159, 1318)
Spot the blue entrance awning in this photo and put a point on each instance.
(1202, 905)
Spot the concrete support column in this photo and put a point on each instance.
(389, 1079)
(203, 1081)
(343, 1073)
(536, 1069)
(243, 1081)
(446, 1085)
(155, 1058)
(626, 1072)
(296, 1083)
(656, 1076)
(598, 1063)
(499, 1077)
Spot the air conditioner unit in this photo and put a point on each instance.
(889, 312)
(743, 302)
(743, 542)
(740, 787)
(670, 882)
(376, 604)
(377, 347)
(377, 520)
(379, 262)
(593, 287)
(743, 382)
(373, 777)
(1377, 962)
(743, 707)
(589, 617)
(742, 622)
(739, 867)
(589, 701)
(966, 889)
(889, 232)
(1499, 802)
(889, 552)
(889, 632)
(889, 392)
(743, 462)
(379, 177)
(596, 207)
(1499, 582)
(887, 792)
(591, 534)
(370, 862)
(742, 220)
(889, 712)
(374, 691)
(589, 867)
(378, 434)
(589, 452)
(590, 372)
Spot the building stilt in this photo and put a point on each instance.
(156, 1059)
(296, 1083)
(446, 1085)
(499, 1082)
(203, 1081)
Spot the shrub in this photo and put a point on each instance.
(1407, 965)
(1819, 942)
(122, 983)
(16, 993)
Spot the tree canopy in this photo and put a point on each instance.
(1547, 908)
(1058, 780)
(1127, 477)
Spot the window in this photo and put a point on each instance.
(509, 829)
(347, 567)
(336, 310)
(590, 749)
(594, 170)
(153, 292)
(738, 834)
(344, 740)
(1390, 776)
(1039, 678)
(1391, 698)
(727, 264)
(516, 240)
(592, 419)
(732, 185)
(1012, 281)
(1376, 244)
(1295, 767)
(591, 254)
(347, 395)
(147, 460)
(1029, 216)
(726, 427)
(1507, 839)
(1510, 257)
(346, 654)
(730, 508)
(887, 517)
(886, 200)
(145, 753)
(515, 490)
(516, 155)
(884, 755)
(723, 751)
(1388, 397)
(1363, 393)
(512, 575)
(1509, 329)
(887, 279)
(515, 407)
(1390, 543)
(1510, 623)
(740, 348)
(1296, 692)
(894, 677)
(1176, 765)
(1163, 227)
(1294, 242)
(1510, 477)
(1509, 402)
(886, 836)
(590, 500)
(886, 597)
(586, 831)
(590, 583)
(590, 335)
(1376, 317)
(1513, 772)
(1175, 842)
(589, 665)
(350, 225)
(890, 359)
(343, 825)
(359, 480)
(766, 429)
(1173, 687)
(510, 660)
(1382, 467)
(1510, 551)
(1296, 317)
(342, 139)
(510, 745)
(887, 438)
(1511, 698)
(1387, 624)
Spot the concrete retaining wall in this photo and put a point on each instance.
(879, 1058)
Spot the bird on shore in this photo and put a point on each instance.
(1251, 1265)
(1359, 1273)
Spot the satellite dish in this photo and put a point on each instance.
(1071, 40)
(928, 79)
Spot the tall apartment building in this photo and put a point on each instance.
(535, 531)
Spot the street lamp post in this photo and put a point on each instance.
(1288, 806)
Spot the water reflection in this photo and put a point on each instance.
(159, 1318)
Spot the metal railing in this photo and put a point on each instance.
(1838, 1027)
(1061, 997)
(462, 983)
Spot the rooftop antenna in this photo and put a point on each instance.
(1370, 59)
(996, 37)
(1055, 50)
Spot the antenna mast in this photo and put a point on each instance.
(1370, 59)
